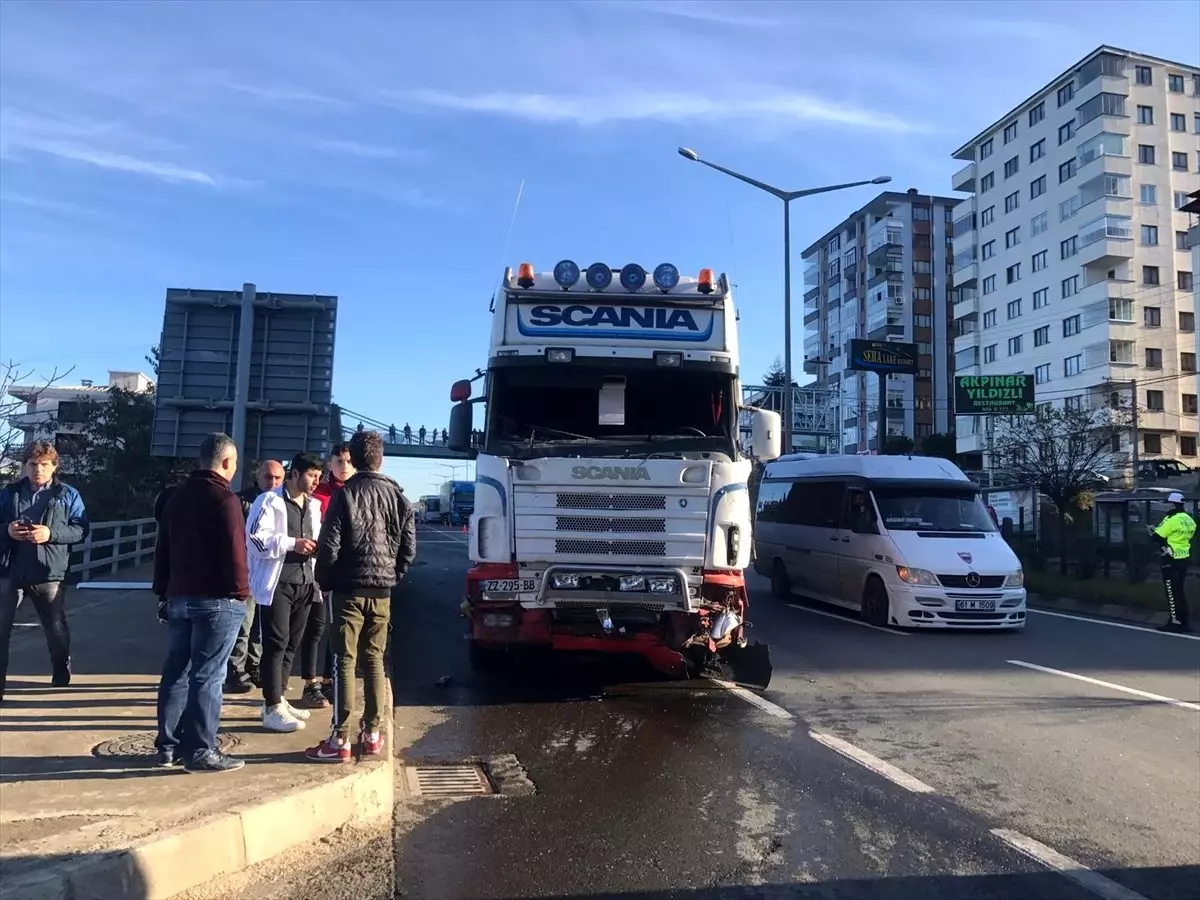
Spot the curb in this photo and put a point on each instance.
(183, 858)
(1135, 614)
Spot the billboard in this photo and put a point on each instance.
(994, 395)
(883, 356)
(289, 401)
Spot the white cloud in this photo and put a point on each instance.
(365, 151)
(780, 109)
(121, 162)
(706, 11)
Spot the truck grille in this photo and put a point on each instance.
(610, 548)
(610, 501)
(960, 581)
(605, 523)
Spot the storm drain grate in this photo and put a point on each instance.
(447, 781)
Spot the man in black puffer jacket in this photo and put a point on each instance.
(368, 540)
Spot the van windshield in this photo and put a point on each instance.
(926, 509)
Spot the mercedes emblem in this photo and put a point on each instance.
(972, 579)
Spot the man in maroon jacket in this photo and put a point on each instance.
(200, 567)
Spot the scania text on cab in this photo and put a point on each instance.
(907, 541)
(611, 504)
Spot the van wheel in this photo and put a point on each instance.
(781, 585)
(875, 604)
(484, 659)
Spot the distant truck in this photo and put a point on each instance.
(433, 509)
(456, 502)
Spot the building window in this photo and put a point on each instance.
(988, 216)
(1181, 241)
(989, 285)
(1065, 94)
(1041, 297)
(1154, 401)
(1102, 105)
(1120, 310)
(1196, 122)
(988, 250)
(1179, 161)
(1039, 261)
(1068, 248)
(1012, 237)
(1010, 132)
(1037, 187)
(1153, 358)
(1150, 275)
(1037, 151)
(1014, 308)
(1042, 373)
(921, 214)
(1179, 200)
(1145, 115)
(1187, 362)
(1178, 122)
(1146, 154)
(1070, 286)
(922, 267)
(1068, 208)
(1071, 326)
(987, 182)
(1149, 194)
(1066, 132)
(1142, 75)
(989, 318)
(922, 293)
(1152, 443)
(1184, 281)
(1152, 316)
(1012, 201)
(924, 348)
(1150, 235)
(1013, 273)
(1041, 336)
(1066, 171)
(1187, 320)
(1072, 365)
(1012, 167)
(1189, 405)
(1187, 445)
(1038, 223)
(1014, 345)
(989, 353)
(1175, 84)
(985, 149)
(1036, 114)
(922, 321)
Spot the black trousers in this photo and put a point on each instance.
(314, 664)
(1174, 573)
(282, 625)
(49, 599)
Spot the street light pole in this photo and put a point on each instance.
(787, 197)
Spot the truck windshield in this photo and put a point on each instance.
(550, 410)
(925, 509)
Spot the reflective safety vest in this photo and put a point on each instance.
(1177, 530)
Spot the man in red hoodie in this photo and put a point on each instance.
(318, 689)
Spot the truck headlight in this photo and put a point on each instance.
(733, 543)
(917, 576)
(662, 585)
(565, 581)
(633, 582)
(1016, 579)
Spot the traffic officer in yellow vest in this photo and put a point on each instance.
(1175, 534)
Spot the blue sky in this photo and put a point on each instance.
(374, 151)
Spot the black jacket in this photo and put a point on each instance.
(201, 547)
(247, 498)
(66, 518)
(368, 537)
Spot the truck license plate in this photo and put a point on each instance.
(510, 585)
(975, 605)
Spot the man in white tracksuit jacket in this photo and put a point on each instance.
(281, 540)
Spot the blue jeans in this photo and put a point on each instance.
(200, 636)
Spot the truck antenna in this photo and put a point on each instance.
(504, 256)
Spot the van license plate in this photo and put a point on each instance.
(975, 605)
(510, 585)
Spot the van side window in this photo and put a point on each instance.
(771, 495)
(815, 503)
(860, 513)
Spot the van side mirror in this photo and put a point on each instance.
(766, 435)
(460, 390)
(459, 437)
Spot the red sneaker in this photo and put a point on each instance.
(329, 750)
(371, 743)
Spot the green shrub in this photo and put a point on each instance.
(1053, 585)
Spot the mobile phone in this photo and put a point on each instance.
(25, 521)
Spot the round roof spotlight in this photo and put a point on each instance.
(566, 274)
(633, 278)
(666, 276)
(598, 276)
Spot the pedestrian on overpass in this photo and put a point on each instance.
(40, 518)
(281, 542)
(367, 543)
(200, 567)
(421, 435)
(1174, 535)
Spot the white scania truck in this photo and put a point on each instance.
(612, 511)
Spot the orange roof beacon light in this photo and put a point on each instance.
(706, 281)
(525, 275)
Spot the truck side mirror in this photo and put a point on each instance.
(459, 438)
(766, 435)
(460, 390)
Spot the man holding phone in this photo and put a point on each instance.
(40, 518)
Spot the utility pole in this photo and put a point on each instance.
(241, 390)
(1134, 429)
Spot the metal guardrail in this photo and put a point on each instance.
(111, 545)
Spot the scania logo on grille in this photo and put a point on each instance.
(972, 579)
(611, 473)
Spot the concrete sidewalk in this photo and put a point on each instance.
(82, 815)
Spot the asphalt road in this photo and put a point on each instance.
(879, 764)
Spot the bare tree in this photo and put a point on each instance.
(12, 374)
(1058, 451)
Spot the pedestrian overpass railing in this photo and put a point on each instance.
(111, 546)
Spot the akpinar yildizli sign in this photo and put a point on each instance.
(993, 395)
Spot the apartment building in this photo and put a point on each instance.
(884, 273)
(1192, 208)
(1071, 259)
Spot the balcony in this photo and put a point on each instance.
(1106, 241)
(812, 299)
(849, 271)
(889, 275)
(966, 301)
(966, 267)
(964, 179)
(812, 274)
(967, 341)
(884, 237)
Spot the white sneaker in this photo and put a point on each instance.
(279, 719)
(301, 714)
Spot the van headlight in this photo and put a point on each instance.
(917, 576)
(1016, 579)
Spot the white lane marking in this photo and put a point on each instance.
(1108, 684)
(1058, 615)
(1064, 865)
(753, 699)
(861, 624)
(874, 763)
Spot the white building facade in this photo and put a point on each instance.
(1071, 259)
(884, 274)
